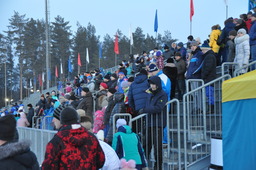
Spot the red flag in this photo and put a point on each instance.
(191, 9)
(79, 60)
(40, 80)
(56, 71)
(116, 48)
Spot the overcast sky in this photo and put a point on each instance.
(109, 15)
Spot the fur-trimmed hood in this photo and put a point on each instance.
(18, 152)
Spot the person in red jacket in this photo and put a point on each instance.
(73, 147)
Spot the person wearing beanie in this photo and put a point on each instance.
(101, 97)
(181, 70)
(30, 114)
(125, 86)
(72, 144)
(242, 49)
(182, 50)
(252, 35)
(120, 80)
(159, 60)
(111, 104)
(56, 116)
(167, 53)
(84, 120)
(14, 154)
(106, 80)
(231, 47)
(113, 81)
(86, 102)
(170, 70)
(166, 82)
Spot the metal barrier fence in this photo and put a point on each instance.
(39, 139)
(202, 119)
(126, 116)
(228, 68)
(244, 69)
(191, 82)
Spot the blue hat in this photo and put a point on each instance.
(152, 67)
(158, 53)
(205, 45)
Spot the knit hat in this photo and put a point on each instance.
(120, 122)
(205, 46)
(180, 44)
(57, 111)
(104, 85)
(194, 43)
(114, 75)
(68, 89)
(7, 128)
(85, 89)
(158, 53)
(107, 77)
(29, 105)
(68, 116)
(152, 67)
(112, 90)
(232, 32)
(124, 84)
(242, 30)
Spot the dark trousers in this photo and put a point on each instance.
(155, 137)
(180, 88)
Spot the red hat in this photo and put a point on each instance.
(104, 85)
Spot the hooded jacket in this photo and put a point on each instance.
(155, 104)
(242, 50)
(252, 34)
(137, 94)
(17, 156)
(87, 104)
(209, 67)
(118, 108)
(127, 145)
(195, 65)
(213, 40)
(73, 148)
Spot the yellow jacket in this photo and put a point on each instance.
(213, 40)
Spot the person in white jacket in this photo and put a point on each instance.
(242, 49)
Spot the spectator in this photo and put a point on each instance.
(213, 41)
(240, 23)
(182, 50)
(106, 80)
(30, 115)
(181, 69)
(231, 46)
(90, 84)
(87, 102)
(159, 60)
(165, 81)
(113, 81)
(167, 53)
(122, 78)
(14, 155)
(101, 96)
(118, 108)
(137, 93)
(73, 147)
(121, 68)
(127, 144)
(248, 21)
(23, 121)
(84, 120)
(242, 49)
(252, 35)
(173, 49)
(155, 105)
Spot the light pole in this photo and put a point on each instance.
(6, 101)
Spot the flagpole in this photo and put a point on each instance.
(99, 62)
(226, 11)
(190, 27)
(115, 60)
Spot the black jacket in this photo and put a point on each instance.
(87, 104)
(30, 116)
(171, 71)
(17, 155)
(208, 72)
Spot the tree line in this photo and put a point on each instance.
(23, 51)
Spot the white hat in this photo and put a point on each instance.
(120, 122)
(100, 135)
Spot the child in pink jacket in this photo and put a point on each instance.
(22, 121)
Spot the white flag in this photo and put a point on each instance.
(87, 55)
(131, 36)
(61, 70)
(43, 77)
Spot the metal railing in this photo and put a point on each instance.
(39, 139)
(202, 119)
(189, 83)
(228, 68)
(249, 67)
(126, 116)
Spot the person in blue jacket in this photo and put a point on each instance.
(137, 94)
(252, 35)
(156, 111)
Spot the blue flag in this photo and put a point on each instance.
(69, 66)
(252, 4)
(100, 50)
(156, 23)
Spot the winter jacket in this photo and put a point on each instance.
(160, 62)
(166, 83)
(183, 52)
(30, 115)
(209, 67)
(91, 86)
(101, 99)
(195, 65)
(112, 84)
(127, 145)
(248, 24)
(229, 26)
(181, 69)
(242, 25)
(137, 95)
(18, 156)
(109, 109)
(167, 54)
(119, 82)
(73, 148)
(87, 104)
(118, 108)
(213, 40)
(231, 51)
(252, 33)
(242, 50)
(155, 105)
(23, 121)
(112, 161)
(171, 71)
